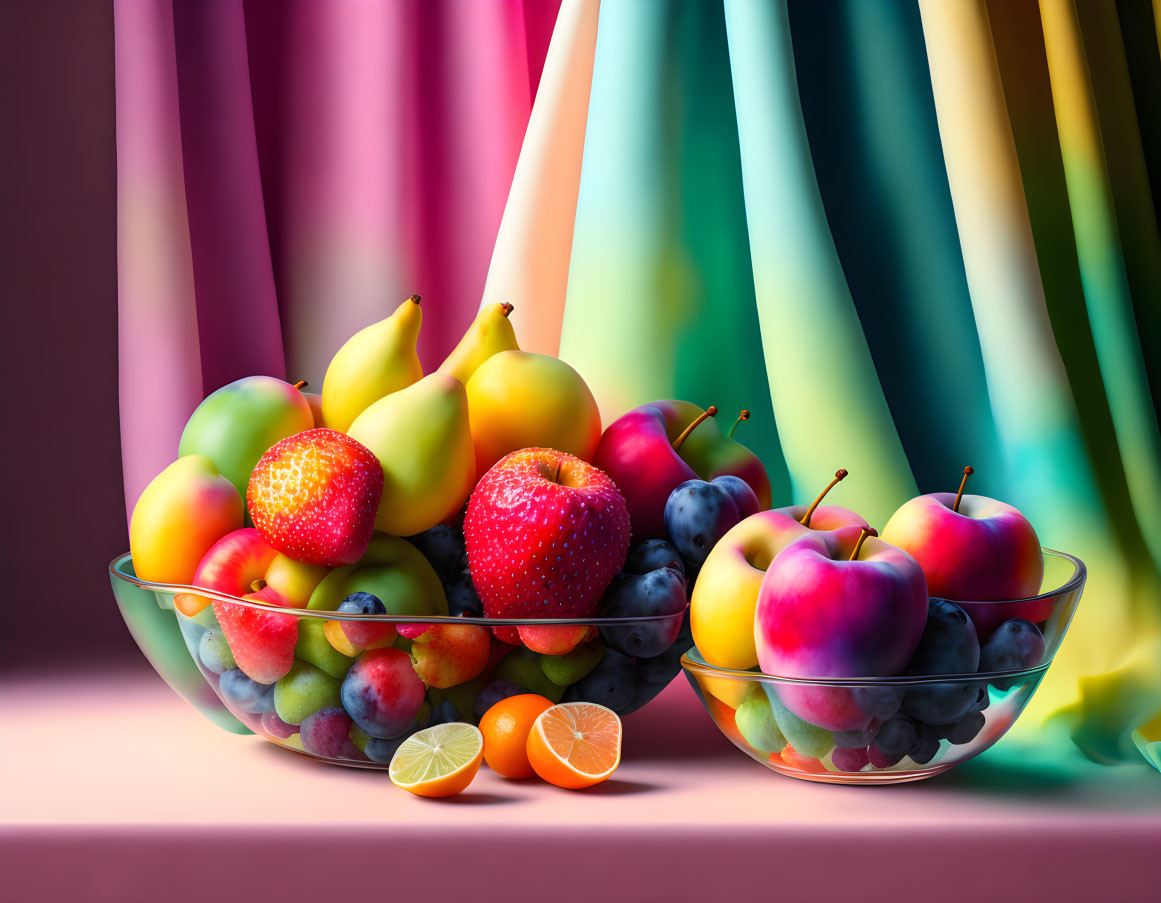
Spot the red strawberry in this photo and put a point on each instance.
(313, 496)
(546, 533)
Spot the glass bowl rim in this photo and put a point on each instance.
(700, 666)
(117, 572)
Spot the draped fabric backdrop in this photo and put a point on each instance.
(907, 237)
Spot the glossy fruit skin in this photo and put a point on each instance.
(313, 496)
(985, 552)
(697, 515)
(382, 692)
(660, 592)
(364, 634)
(214, 652)
(821, 615)
(182, 512)
(553, 639)
(505, 727)
(726, 593)
(235, 425)
(653, 554)
(302, 691)
(374, 362)
(636, 450)
(490, 333)
(422, 439)
(446, 655)
(519, 400)
(327, 733)
(745, 500)
(1015, 645)
(948, 644)
(612, 683)
(545, 532)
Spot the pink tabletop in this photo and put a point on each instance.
(113, 789)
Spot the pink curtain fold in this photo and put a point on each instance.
(289, 171)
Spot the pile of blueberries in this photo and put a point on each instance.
(911, 721)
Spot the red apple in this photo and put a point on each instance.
(546, 533)
(645, 453)
(446, 655)
(973, 549)
(836, 604)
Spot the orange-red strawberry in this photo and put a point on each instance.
(313, 496)
(545, 532)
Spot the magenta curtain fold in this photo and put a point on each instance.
(289, 171)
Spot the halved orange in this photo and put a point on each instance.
(575, 744)
(438, 761)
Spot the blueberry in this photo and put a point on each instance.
(493, 693)
(697, 515)
(962, 731)
(462, 598)
(242, 692)
(443, 547)
(362, 604)
(1016, 644)
(612, 683)
(658, 593)
(215, 652)
(444, 713)
(896, 737)
(926, 745)
(853, 739)
(740, 491)
(949, 644)
(941, 703)
(661, 669)
(651, 555)
(878, 702)
(381, 751)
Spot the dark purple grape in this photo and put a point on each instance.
(896, 736)
(651, 555)
(926, 745)
(1014, 646)
(949, 644)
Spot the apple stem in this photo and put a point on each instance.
(866, 531)
(258, 585)
(414, 299)
(507, 308)
(967, 472)
(745, 415)
(301, 384)
(839, 476)
(680, 440)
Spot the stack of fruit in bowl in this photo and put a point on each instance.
(406, 550)
(833, 655)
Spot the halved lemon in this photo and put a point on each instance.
(575, 744)
(438, 761)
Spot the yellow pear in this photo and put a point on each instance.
(421, 436)
(374, 362)
(490, 333)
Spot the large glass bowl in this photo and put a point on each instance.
(622, 667)
(753, 709)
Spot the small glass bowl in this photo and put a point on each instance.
(203, 674)
(751, 708)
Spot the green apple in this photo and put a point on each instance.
(392, 570)
(235, 425)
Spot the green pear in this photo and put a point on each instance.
(422, 438)
(490, 333)
(392, 570)
(374, 362)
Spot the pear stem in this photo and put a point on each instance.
(745, 415)
(866, 531)
(680, 440)
(839, 476)
(414, 299)
(258, 585)
(507, 308)
(967, 472)
(301, 384)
